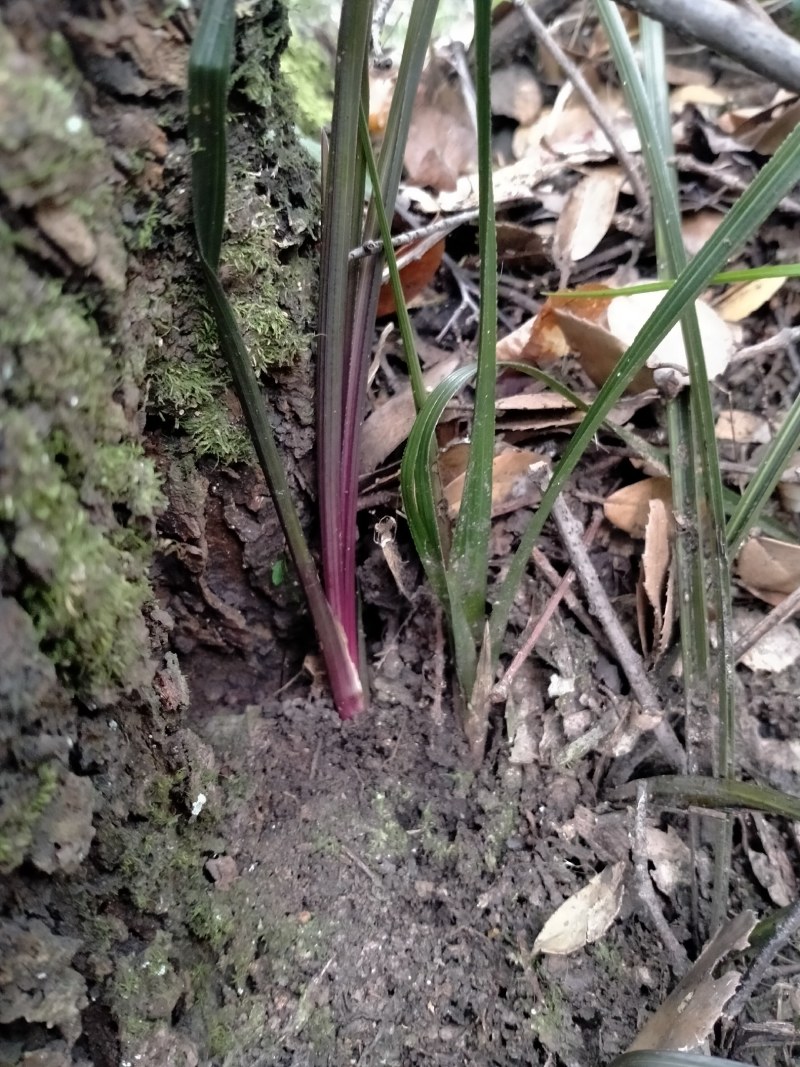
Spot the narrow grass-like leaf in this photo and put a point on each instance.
(403, 318)
(725, 277)
(724, 794)
(419, 502)
(470, 551)
(776, 179)
(343, 200)
(209, 71)
(701, 549)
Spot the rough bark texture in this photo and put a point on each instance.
(113, 909)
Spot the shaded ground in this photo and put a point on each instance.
(201, 865)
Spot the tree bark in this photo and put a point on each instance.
(115, 934)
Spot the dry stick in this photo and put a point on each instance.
(441, 226)
(572, 535)
(595, 108)
(543, 564)
(678, 954)
(720, 177)
(782, 339)
(535, 629)
(733, 32)
(786, 929)
(782, 613)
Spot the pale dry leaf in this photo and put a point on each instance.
(773, 867)
(700, 227)
(696, 94)
(671, 858)
(628, 314)
(575, 136)
(742, 428)
(629, 508)
(512, 484)
(536, 411)
(516, 94)
(512, 183)
(655, 599)
(776, 651)
(514, 345)
(687, 1016)
(768, 568)
(587, 215)
(585, 916)
(742, 300)
(389, 425)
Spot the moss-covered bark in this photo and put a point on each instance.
(116, 910)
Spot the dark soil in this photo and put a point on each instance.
(202, 865)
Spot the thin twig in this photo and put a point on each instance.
(779, 615)
(572, 535)
(782, 339)
(595, 108)
(644, 886)
(718, 174)
(441, 226)
(543, 564)
(535, 627)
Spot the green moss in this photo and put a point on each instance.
(433, 838)
(499, 827)
(85, 595)
(46, 148)
(387, 838)
(308, 70)
(18, 821)
(125, 475)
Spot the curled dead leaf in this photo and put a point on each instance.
(629, 508)
(585, 916)
(768, 568)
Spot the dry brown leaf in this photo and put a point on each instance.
(389, 425)
(381, 89)
(629, 508)
(598, 350)
(516, 94)
(585, 916)
(587, 215)
(442, 142)
(742, 300)
(655, 590)
(687, 1016)
(521, 244)
(418, 264)
(512, 485)
(764, 130)
(768, 568)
